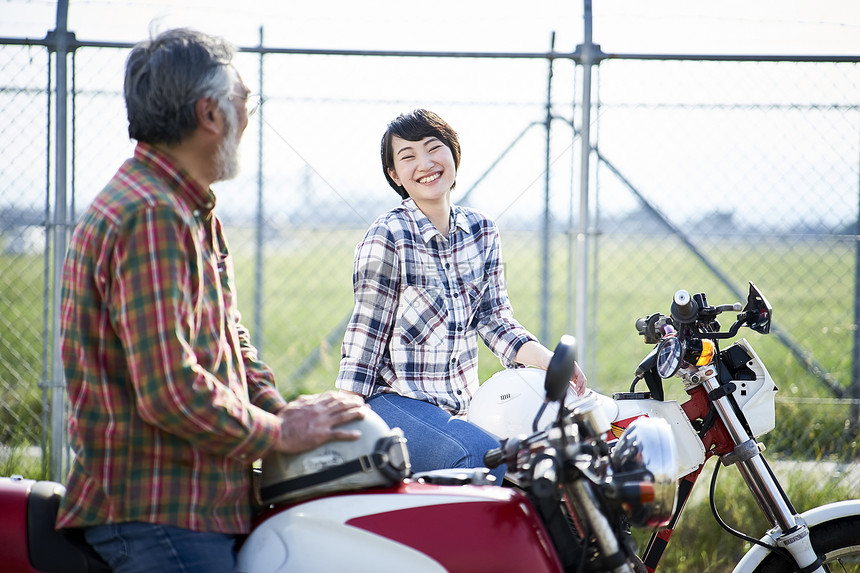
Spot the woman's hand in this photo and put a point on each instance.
(578, 381)
(533, 353)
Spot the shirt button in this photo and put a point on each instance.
(459, 329)
(459, 392)
(453, 361)
(447, 265)
(456, 295)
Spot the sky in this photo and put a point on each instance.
(830, 27)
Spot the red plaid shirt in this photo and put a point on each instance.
(169, 405)
(421, 301)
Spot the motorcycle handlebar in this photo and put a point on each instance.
(685, 310)
(494, 458)
(509, 448)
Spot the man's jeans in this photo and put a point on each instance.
(136, 547)
(434, 438)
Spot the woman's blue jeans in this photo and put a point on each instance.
(435, 439)
(136, 547)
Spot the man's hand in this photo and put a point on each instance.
(312, 420)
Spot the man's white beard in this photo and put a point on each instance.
(227, 155)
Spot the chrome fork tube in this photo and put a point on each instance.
(582, 502)
(751, 465)
(792, 533)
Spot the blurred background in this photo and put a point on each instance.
(626, 149)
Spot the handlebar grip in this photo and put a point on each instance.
(684, 308)
(494, 458)
(506, 453)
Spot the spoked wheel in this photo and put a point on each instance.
(838, 540)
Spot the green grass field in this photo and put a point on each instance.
(307, 294)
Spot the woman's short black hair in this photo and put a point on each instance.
(415, 126)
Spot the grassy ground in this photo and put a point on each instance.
(307, 294)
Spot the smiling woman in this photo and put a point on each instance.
(428, 281)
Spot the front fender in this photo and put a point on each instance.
(813, 517)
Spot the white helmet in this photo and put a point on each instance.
(377, 458)
(507, 403)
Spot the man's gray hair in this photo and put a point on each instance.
(164, 78)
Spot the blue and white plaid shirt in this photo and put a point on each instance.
(421, 300)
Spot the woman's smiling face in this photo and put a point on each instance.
(424, 168)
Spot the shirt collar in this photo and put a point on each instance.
(426, 228)
(459, 218)
(201, 198)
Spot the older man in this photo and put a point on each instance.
(170, 405)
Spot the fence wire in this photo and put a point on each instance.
(706, 175)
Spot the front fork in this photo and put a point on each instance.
(790, 531)
(582, 502)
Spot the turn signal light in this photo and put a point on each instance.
(707, 353)
(646, 492)
(699, 351)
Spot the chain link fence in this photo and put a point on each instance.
(704, 175)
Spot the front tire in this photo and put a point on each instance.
(838, 540)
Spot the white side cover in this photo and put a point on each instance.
(314, 537)
(813, 517)
(691, 451)
(757, 397)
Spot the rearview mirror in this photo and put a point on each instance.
(560, 370)
(669, 354)
(759, 311)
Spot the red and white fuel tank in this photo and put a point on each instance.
(413, 526)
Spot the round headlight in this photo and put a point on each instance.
(644, 462)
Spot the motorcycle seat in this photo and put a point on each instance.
(53, 551)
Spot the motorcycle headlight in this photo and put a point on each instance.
(644, 462)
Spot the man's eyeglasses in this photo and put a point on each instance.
(252, 102)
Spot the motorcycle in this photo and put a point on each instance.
(731, 405)
(355, 506)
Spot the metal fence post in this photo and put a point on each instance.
(547, 217)
(60, 224)
(260, 221)
(854, 389)
(587, 52)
